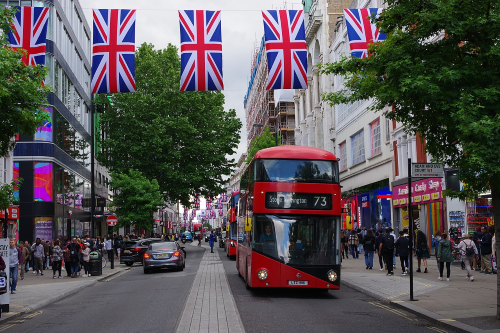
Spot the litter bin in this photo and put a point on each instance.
(95, 263)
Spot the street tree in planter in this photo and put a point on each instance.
(181, 139)
(438, 72)
(136, 199)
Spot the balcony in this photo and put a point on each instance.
(313, 23)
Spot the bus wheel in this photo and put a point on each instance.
(247, 286)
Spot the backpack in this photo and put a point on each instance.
(73, 251)
(423, 247)
(389, 242)
(469, 250)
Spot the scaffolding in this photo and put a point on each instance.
(261, 109)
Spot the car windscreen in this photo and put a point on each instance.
(129, 244)
(164, 246)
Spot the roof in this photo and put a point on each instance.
(295, 153)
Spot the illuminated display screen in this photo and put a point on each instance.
(44, 133)
(291, 200)
(43, 182)
(16, 176)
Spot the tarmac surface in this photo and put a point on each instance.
(459, 304)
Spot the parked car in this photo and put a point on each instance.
(133, 250)
(188, 236)
(164, 255)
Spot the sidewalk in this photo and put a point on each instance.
(35, 291)
(459, 304)
(209, 307)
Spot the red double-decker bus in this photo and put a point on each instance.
(232, 233)
(289, 219)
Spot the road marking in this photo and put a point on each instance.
(6, 327)
(388, 308)
(437, 329)
(447, 319)
(116, 275)
(34, 314)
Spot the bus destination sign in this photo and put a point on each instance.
(292, 200)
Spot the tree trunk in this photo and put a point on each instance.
(495, 195)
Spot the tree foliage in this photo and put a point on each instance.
(265, 140)
(22, 95)
(181, 139)
(438, 71)
(136, 199)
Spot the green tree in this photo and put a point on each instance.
(136, 199)
(265, 140)
(438, 71)
(181, 139)
(22, 95)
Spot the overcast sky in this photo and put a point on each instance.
(157, 22)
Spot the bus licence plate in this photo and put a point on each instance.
(300, 283)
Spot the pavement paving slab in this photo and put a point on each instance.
(459, 304)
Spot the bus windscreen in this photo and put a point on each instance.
(298, 171)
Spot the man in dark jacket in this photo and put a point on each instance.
(476, 237)
(403, 251)
(486, 244)
(378, 240)
(386, 248)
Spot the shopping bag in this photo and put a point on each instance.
(494, 264)
(3, 282)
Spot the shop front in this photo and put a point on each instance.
(479, 213)
(370, 210)
(427, 206)
(13, 222)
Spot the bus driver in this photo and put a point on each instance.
(267, 236)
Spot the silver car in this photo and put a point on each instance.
(164, 255)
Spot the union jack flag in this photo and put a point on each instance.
(286, 49)
(29, 32)
(362, 30)
(185, 214)
(221, 212)
(201, 50)
(113, 63)
(223, 197)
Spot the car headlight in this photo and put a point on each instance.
(332, 275)
(262, 274)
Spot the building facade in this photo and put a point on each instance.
(55, 163)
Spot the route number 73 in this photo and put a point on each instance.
(321, 201)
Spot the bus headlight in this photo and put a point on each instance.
(332, 275)
(232, 243)
(262, 274)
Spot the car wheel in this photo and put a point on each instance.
(181, 268)
(146, 270)
(184, 265)
(129, 263)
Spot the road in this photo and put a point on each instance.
(134, 302)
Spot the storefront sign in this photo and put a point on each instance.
(422, 191)
(13, 213)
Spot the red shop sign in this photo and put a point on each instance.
(13, 213)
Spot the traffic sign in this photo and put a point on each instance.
(427, 170)
(112, 220)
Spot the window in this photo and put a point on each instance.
(375, 137)
(343, 156)
(387, 129)
(358, 147)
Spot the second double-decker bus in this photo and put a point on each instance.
(232, 231)
(289, 216)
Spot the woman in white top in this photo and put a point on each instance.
(469, 252)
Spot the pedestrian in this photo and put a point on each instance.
(38, 252)
(353, 244)
(212, 240)
(118, 245)
(422, 250)
(360, 242)
(85, 258)
(344, 244)
(46, 257)
(67, 259)
(369, 247)
(108, 246)
(468, 251)
(57, 257)
(386, 248)
(476, 237)
(444, 256)
(74, 250)
(486, 246)
(403, 251)
(378, 241)
(15, 258)
(434, 245)
(26, 255)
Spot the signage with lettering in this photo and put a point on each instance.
(417, 198)
(426, 197)
(427, 170)
(292, 200)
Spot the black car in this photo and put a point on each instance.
(164, 255)
(133, 250)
